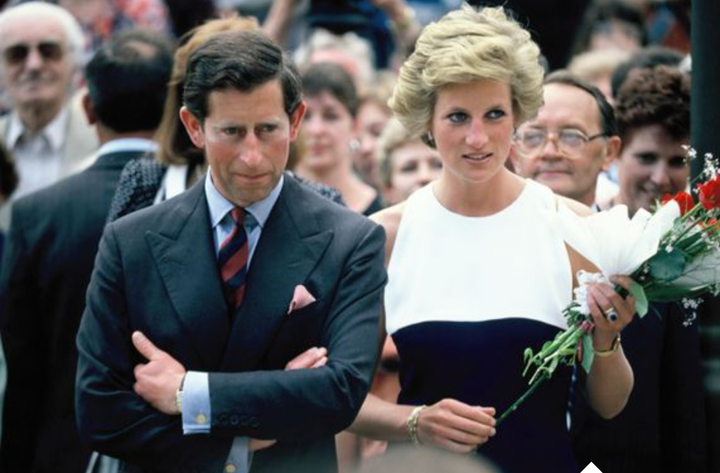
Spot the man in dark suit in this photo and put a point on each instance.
(49, 258)
(196, 304)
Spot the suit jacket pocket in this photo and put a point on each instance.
(300, 330)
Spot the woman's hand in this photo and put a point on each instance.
(456, 426)
(603, 302)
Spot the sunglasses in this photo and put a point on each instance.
(18, 53)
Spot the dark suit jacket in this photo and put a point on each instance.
(662, 428)
(46, 269)
(156, 272)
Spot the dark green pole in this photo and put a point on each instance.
(705, 130)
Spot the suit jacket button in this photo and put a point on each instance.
(254, 422)
(234, 420)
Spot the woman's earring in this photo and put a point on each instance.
(430, 140)
(354, 145)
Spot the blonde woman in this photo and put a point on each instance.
(477, 267)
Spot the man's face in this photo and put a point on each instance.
(36, 62)
(570, 174)
(246, 137)
(652, 164)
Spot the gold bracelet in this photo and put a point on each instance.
(613, 348)
(412, 424)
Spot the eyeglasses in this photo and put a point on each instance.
(18, 53)
(570, 142)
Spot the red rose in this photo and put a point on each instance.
(710, 194)
(683, 199)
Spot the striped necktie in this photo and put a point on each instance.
(233, 261)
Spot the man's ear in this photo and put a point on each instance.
(88, 109)
(296, 120)
(614, 147)
(193, 127)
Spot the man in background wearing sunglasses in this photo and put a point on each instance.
(41, 50)
(571, 141)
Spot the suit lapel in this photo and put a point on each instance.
(290, 246)
(184, 253)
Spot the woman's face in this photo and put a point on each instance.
(328, 128)
(412, 166)
(472, 126)
(651, 165)
(371, 121)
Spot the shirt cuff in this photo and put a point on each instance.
(196, 413)
(240, 457)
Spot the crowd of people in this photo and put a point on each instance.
(304, 239)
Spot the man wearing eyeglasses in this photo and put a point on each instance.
(41, 48)
(571, 141)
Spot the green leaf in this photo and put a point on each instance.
(588, 352)
(666, 266)
(641, 301)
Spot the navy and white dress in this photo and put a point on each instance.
(465, 297)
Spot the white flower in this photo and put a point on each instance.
(612, 241)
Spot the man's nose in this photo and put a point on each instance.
(250, 152)
(34, 60)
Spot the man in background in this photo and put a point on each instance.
(50, 253)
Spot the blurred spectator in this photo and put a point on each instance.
(100, 19)
(350, 51)
(328, 131)
(8, 183)
(584, 140)
(662, 428)
(597, 67)
(50, 254)
(646, 58)
(42, 47)
(373, 115)
(653, 114)
(611, 24)
(406, 163)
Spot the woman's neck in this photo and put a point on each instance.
(478, 199)
(356, 194)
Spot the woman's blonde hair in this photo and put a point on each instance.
(175, 146)
(464, 46)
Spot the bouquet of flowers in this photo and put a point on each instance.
(673, 255)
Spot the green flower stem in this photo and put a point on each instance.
(522, 398)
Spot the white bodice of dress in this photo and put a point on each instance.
(453, 268)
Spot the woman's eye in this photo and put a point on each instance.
(496, 114)
(647, 159)
(458, 117)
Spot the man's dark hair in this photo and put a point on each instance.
(607, 115)
(659, 96)
(241, 60)
(334, 79)
(646, 58)
(127, 80)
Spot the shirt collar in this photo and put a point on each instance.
(128, 144)
(219, 206)
(55, 131)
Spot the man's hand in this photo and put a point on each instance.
(158, 380)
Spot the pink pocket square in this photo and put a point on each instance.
(301, 298)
